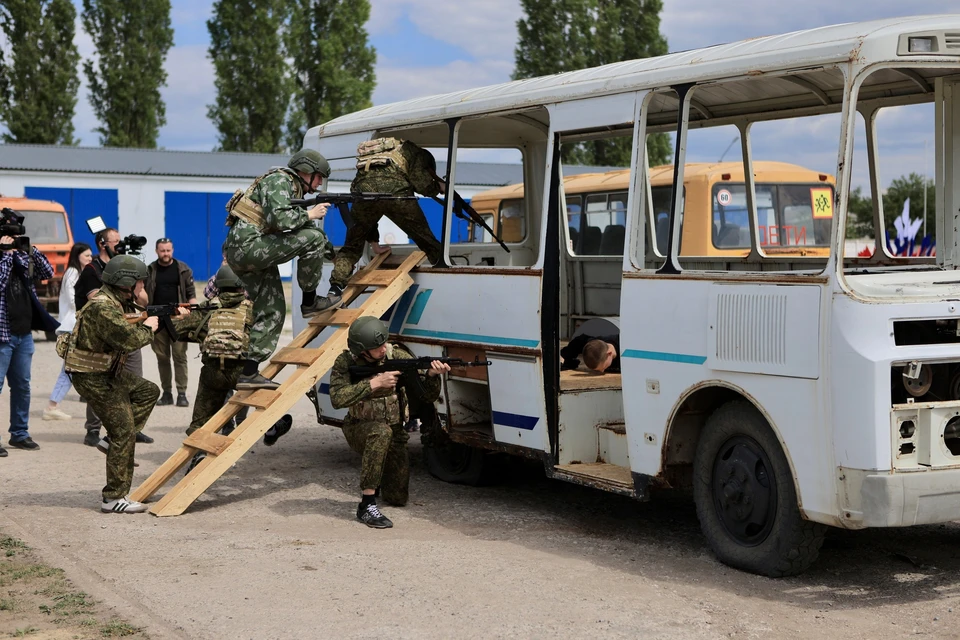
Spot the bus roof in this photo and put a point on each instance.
(863, 42)
(27, 204)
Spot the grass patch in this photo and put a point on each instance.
(118, 629)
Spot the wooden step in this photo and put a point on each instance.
(610, 477)
(296, 356)
(374, 278)
(338, 317)
(260, 398)
(210, 442)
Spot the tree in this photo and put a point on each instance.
(860, 207)
(859, 215)
(39, 85)
(253, 90)
(333, 66)
(566, 35)
(131, 40)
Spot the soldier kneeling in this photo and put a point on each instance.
(376, 416)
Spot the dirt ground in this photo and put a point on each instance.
(273, 551)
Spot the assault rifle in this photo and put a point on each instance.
(342, 200)
(463, 210)
(164, 312)
(409, 369)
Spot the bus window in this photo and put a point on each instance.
(785, 215)
(513, 221)
(574, 206)
(478, 233)
(601, 230)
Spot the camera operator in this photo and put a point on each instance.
(20, 313)
(88, 285)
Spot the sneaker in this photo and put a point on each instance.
(182, 400)
(55, 414)
(331, 301)
(165, 399)
(197, 458)
(256, 381)
(3, 452)
(92, 438)
(278, 430)
(144, 438)
(27, 444)
(372, 517)
(122, 505)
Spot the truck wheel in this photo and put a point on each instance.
(454, 462)
(745, 496)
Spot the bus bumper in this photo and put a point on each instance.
(905, 499)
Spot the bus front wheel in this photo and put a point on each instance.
(454, 462)
(745, 496)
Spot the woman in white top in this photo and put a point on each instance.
(80, 256)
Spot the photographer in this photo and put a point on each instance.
(20, 313)
(108, 245)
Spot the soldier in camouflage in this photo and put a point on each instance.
(375, 417)
(267, 231)
(122, 400)
(401, 170)
(218, 376)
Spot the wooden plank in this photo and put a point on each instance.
(374, 278)
(468, 354)
(586, 380)
(339, 316)
(210, 442)
(259, 398)
(299, 357)
(601, 470)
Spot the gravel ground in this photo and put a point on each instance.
(272, 550)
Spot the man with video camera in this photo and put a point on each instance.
(108, 245)
(21, 265)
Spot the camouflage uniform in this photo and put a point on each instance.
(374, 425)
(407, 214)
(122, 400)
(255, 255)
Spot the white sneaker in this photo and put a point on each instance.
(122, 505)
(56, 414)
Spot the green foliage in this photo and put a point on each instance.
(131, 41)
(39, 85)
(566, 35)
(859, 215)
(332, 64)
(253, 90)
(860, 207)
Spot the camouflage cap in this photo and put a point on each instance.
(309, 161)
(226, 278)
(124, 271)
(366, 333)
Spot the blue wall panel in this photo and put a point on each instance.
(81, 204)
(194, 221)
(216, 228)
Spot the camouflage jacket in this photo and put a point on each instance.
(382, 405)
(102, 327)
(193, 328)
(274, 193)
(399, 180)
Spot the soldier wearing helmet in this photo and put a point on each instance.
(101, 340)
(267, 231)
(376, 413)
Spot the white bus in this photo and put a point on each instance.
(790, 391)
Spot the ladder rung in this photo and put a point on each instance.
(379, 278)
(299, 357)
(210, 442)
(260, 398)
(340, 316)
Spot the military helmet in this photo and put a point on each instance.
(310, 161)
(226, 278)
(366, 333)
(124, 271)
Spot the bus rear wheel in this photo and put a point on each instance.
(745, 496)
(454, 462)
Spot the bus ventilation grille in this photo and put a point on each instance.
(751, 328)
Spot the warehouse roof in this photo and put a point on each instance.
(208, 164)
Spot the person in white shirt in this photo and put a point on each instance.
(80, 256)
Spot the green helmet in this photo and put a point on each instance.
(366, 333)
(124, 271)
(226, 278)
(310, 161)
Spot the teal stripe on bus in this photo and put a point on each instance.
(418, 306)
(663, 356)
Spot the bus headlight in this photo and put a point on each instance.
(924, 44)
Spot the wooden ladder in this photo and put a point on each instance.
(269, 405)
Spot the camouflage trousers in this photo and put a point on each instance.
(123, 402)
(407, 215)
(385, 463)
(215, 385)
(256, 262)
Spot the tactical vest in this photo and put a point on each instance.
(242, 207)
(76, 360)
(227, 337)
(381, 152)
(387, 408)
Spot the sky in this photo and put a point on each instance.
(427, 47)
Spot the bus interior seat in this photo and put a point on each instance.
(590, 241)
(611, 242)
(744, 237)
(728, 236)
(663, 234)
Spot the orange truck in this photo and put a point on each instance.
(48, 228)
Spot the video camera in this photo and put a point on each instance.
(11, 224)
(132, 245)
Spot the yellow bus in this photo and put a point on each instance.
(794, 206)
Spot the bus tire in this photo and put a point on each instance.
(454, 462)
(745, 497)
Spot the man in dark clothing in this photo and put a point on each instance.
(599, 353)
(87, 286)
(170, 281)
(20, 313)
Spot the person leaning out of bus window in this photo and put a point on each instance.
(600, 353)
